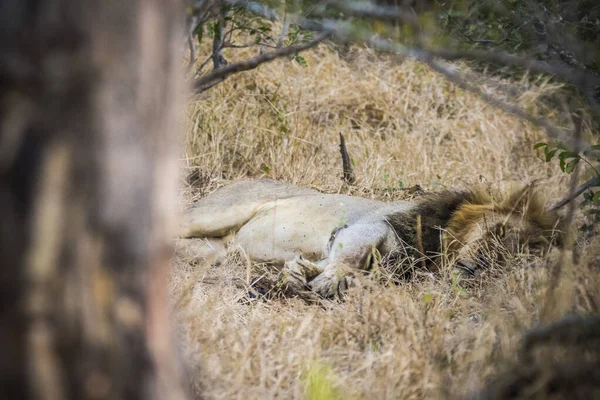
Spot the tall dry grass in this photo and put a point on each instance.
(404, 125)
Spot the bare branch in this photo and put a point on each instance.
(246, 45)
(583, 80)
(461, 81)
(348, 174)
(554, 132)
(217, 76)
(595, 181)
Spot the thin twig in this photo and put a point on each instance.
(348, 174)
(217, 76)
(247, 45)
(204, 64)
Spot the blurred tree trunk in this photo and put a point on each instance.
(88, 107)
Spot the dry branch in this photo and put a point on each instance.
(580, 78)
(217, 76)
(459, 80)
(348, 173)
(595, 181)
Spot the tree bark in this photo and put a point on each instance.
(88, 104)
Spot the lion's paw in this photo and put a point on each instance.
(333, 282)
(295, 275)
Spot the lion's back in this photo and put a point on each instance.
(250, 191)
(231, 206)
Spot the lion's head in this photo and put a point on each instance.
(488, 229)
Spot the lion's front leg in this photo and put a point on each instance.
(352, 250)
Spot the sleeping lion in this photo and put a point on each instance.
(319, 240)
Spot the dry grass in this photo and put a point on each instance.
(404, 125)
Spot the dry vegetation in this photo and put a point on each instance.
(404, 125)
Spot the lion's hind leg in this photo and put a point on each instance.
(208, 219)
(292, 280)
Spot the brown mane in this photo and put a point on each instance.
(526, 203)
(448, 216)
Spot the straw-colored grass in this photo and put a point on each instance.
(404, 125)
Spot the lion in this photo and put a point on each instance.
(320, 240)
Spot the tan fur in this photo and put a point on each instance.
(305, 230)
(517, 221)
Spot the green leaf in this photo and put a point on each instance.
(300, 60)
(550, 154)
(571, 165)
(568, 154)
(562, 165)
(596, 197)
(540, 144)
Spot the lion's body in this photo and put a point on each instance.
(278, 223)
(274, 221)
